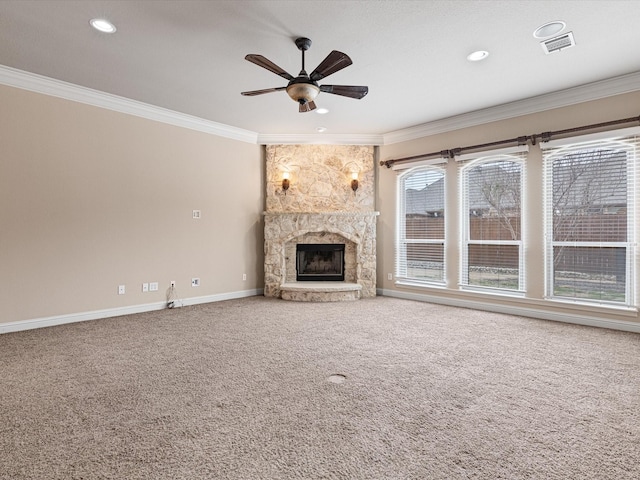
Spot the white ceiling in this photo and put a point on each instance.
(188, 56)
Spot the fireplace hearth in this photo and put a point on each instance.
(322, 262)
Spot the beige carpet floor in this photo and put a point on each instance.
(261, 388)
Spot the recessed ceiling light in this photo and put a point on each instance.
(322, 111)
(102, 25)
(549, 29)
(477, 56)
(321, 129)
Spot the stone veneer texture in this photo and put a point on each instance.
(320, 178)
(320, 206)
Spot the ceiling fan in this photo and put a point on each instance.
(304, 88)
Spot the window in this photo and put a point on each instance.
(590, 219)
(420, 232)
(491, 229)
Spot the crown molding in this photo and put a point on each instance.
(320, 139)
(562, 98)
(57, 88)
(69, 91)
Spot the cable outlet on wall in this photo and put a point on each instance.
(173, 283)
(195, 282)
(145, 287)
(120, 289)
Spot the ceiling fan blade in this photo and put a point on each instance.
(269, 65)
(307, 107)
(253, 93)
(335, 61)
(345, 90)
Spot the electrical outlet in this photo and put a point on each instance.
(244, 277)
(197, 214)
(389, 276)
(145, 287)
(195, 282)
(121, 289)
(153, 287)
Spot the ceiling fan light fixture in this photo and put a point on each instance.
(303, 92)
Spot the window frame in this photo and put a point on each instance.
(401, 269)
(519, 158)
(629, 140)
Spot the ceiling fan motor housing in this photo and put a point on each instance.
(303, 90)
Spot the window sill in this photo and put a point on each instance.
(410, 283)
(492, 291)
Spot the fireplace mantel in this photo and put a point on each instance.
(324, 214)
(284, 229)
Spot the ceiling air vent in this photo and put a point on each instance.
(556, 44)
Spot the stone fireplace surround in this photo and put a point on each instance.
(319, 207)
(283, 231)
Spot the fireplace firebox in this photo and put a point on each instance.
(320, 262)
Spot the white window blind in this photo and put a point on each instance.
(591, 219)
(491, 222)
(420, 229)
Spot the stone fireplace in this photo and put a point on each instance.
(316, 213)
(284, 231)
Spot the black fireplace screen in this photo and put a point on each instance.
(320, 262)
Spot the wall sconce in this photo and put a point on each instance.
(354, 182)
(285, 182)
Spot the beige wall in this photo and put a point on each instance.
(91, 199)
(613, 108)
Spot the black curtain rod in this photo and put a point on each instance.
(543, 137)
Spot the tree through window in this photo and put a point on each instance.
(588, 213)
(492, 223)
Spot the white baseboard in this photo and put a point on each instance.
(463, 303)
(116, 312)
(590, 321)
